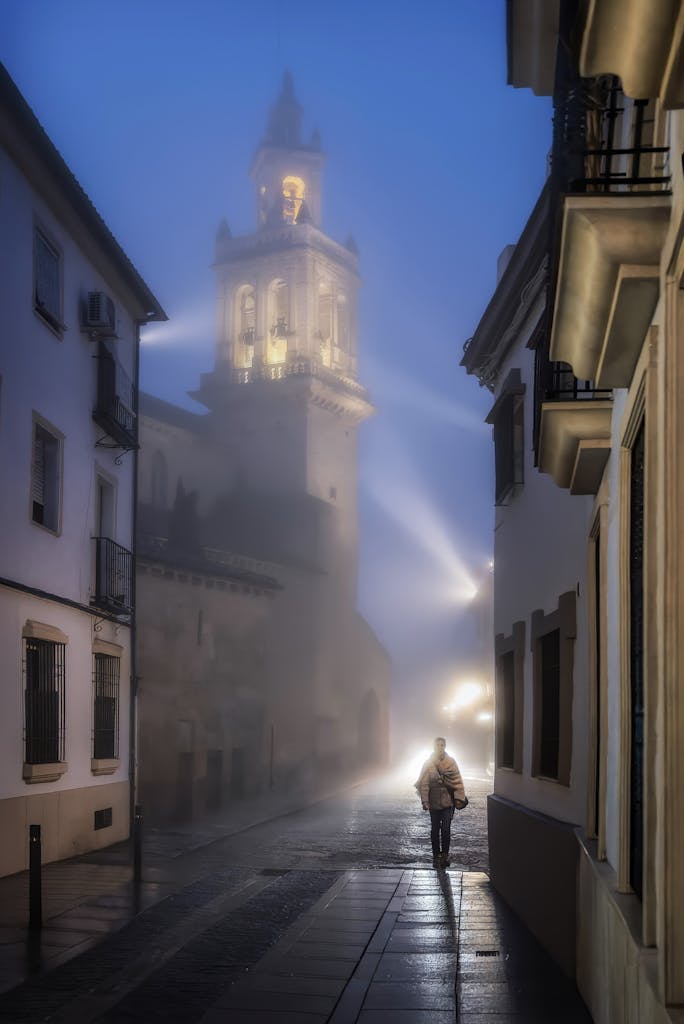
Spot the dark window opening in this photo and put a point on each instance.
(550, 704)
(45, 478)
(507, 705)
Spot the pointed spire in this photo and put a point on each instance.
(285, 122)
(315, 139)
(223, 231)
(351, 245)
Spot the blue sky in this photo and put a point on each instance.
(433, 164)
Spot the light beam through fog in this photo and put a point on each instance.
(402, 497)
(391, 387)
(192, 326)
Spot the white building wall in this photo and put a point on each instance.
(53, 375)
(540, 544)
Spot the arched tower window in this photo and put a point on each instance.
(293, 197)
(342, 339)
(325, 321)
(158, 481)
(246, 325)
(279, 314)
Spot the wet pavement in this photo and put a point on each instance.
(332, 913)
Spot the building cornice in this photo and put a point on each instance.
(520, 287)
(283, 238)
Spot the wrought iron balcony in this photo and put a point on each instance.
(114, 409)
(113, 576)
(561, 385)
(589, 155)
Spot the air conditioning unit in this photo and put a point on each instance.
(100, 315)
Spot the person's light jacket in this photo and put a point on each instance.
(433, 780)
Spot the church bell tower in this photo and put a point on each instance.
(284, 395)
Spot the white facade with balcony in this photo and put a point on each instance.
(67, 464)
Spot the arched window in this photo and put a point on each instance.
(325, 321)
(158, 481)
(342, 339)
(245, 308)
(279, 314)
(293, 197)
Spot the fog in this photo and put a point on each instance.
(424, 147)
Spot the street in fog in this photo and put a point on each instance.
(228, 900)
(379, 824)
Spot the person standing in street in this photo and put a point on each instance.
(441, 790)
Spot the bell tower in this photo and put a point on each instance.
(284, 395)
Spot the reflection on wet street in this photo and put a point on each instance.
(379, 824)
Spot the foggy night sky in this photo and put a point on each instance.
(433, 164)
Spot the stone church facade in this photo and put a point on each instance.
(256, 670)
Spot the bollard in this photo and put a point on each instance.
(137, 843)
(35, 881)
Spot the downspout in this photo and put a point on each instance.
(133, 708)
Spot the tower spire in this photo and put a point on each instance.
(285, 121)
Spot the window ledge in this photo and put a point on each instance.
(104, 765)
(52, 323)
(50, 772)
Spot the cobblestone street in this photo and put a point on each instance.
(330, 913)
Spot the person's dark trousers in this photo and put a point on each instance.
(441, 828)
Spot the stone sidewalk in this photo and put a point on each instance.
(404, 947)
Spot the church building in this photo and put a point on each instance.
(256, 670)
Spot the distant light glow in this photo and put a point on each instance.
(467, 694)
(484, 716)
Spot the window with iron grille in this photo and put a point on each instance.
(44, 676)
(47, 280)
(106, 706)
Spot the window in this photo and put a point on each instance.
(508, 710)
(342, 339)
(279, 301)
(293, 197)
(507, 418)
(106, 706)
(510, 655)
(247, 316)
(325, 321)
(43, 701)
(45, 478)
(553, 641)
(104, 512)
(47, 278)
(550, 704)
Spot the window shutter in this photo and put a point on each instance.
(38, 468)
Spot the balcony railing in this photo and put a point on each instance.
(563, 386)
(555, 382)
(115, 400)
(113, 576)
(589, 154)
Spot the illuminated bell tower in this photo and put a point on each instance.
(284, 395)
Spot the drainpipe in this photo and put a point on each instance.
(133, 710)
